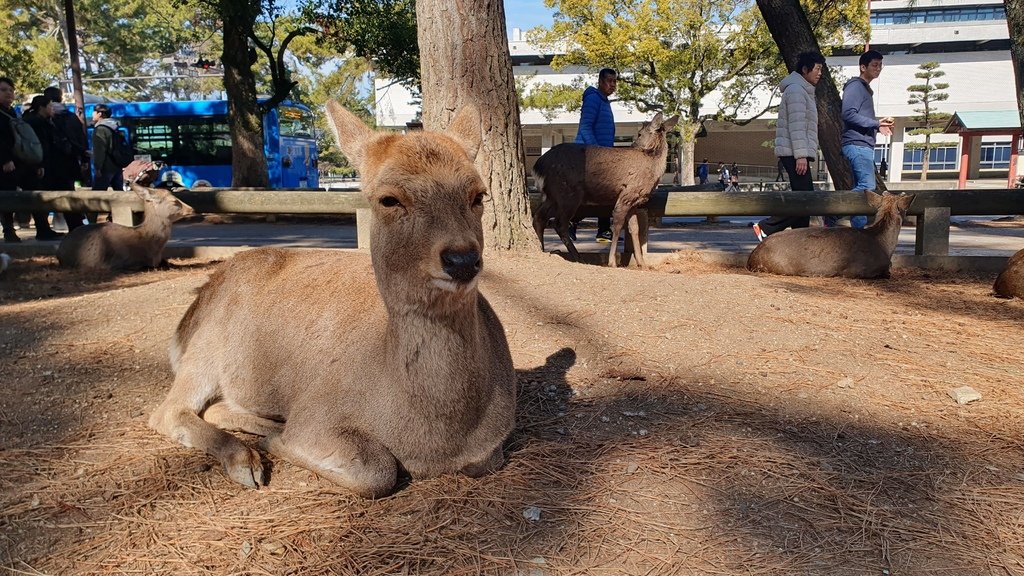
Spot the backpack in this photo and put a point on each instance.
(27, 146)
(120, 152)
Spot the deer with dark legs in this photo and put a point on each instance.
(849, 252)
(110, 246)
(1010, 282)
(572, 175)
(356, 366)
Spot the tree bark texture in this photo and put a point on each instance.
(792, 32)
(1015, 24)
(464, 59)
(248, 161)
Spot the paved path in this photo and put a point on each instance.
(728, 235)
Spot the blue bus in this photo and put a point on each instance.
(193, 139)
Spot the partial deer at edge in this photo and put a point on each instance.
(572, 175)
(849, 252)
(357, 366)
(1010, 282)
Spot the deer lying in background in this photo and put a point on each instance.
(357, 366)
(572, 175)
(848, 252)
(110, 246)
(1010, 282)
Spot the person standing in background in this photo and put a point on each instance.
(796, 136)
(106, 173)
(861, 128)
(70, 150)
(702, 171)
(597, 128)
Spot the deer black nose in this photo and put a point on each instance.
(461, 266)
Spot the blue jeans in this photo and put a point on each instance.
(862, 161)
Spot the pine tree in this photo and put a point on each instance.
(926, 95)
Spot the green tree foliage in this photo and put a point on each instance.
(117, 40)
(548, 98)
(673, 54)
(381, 31)
(926, 95)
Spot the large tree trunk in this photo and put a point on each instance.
(1015, 24)
(792, 32)
(688, 132)
(464, 59)
(248, 162)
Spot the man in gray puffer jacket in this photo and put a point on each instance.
(796, 136)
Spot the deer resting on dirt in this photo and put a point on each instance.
(1010, 282)
(110, 246)
(848, 252)
(572, 175)
(357, 366)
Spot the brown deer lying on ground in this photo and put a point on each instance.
(110, 246)
(572, 175)
(355, 366)
(1010, 283)
(845, 252)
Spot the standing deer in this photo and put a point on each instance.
(356, 366)
(110, 246)
(1010, 282)
(573, 175)
(849, 252)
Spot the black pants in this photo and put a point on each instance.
(798, 182)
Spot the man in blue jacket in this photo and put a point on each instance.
(597, 128)
(860, 127)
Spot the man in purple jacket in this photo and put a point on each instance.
(860, 127)
(597, 128)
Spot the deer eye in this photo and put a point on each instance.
(389, 202)
(479, 199)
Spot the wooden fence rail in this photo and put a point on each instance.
(933, 207)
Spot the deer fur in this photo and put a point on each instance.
(110, 246)
(572, 175)
(848, 252)
(1010, 282)
(357, 366)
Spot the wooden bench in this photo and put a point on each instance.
(933, 208)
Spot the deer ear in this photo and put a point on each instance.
(465, 128)
(350, 133)
(904, 201)
(670, 123)
(142, 191)
(874, 200)
(656, 122)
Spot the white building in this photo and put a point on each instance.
(969, 38)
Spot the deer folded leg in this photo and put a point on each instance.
(242, 464)
(348, 458)
(234, 419)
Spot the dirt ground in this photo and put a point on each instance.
(686, 420)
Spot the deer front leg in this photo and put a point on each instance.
(348, 458)
(619, 215)
(242, 464)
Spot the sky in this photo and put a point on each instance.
(526, 14)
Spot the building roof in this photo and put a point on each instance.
(1004, 121)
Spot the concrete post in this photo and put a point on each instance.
(932, 238)
(364, 219)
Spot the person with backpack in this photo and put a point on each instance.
(70, 150)
(37, 177)
(108, 150)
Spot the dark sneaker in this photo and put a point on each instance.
(11, 237)
(604, 236)
(49, 235)
(758, 232)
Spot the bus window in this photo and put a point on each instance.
(183, 140)
(295, 122)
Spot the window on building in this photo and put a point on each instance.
(941, 158)
(995, 155)
(935, 15)
(881, 151)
